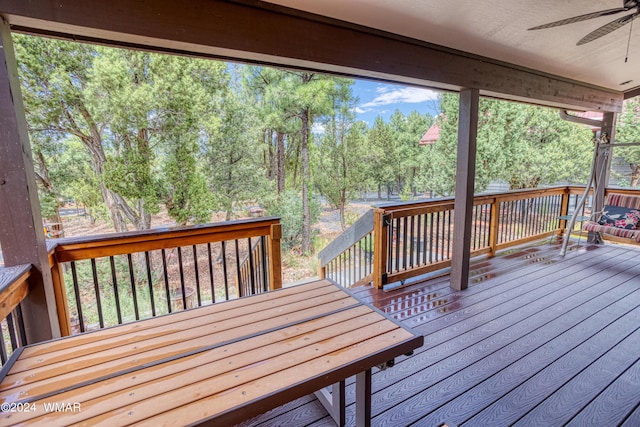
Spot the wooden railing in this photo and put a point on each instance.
(14, 287)
(253, 277)
(415, 238)
(105, 280)
(348, 260)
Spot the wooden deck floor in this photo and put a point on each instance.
(536, 340)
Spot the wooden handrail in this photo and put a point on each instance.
(108, 245)
(87, 247)
(348, 238)
(14, 287)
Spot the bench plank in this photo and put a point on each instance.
(161, 322)
(187, 328)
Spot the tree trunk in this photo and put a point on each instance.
(280, 161)
(270, 163)
(42, 173)
(119, 223)
(306, 179)
(343, 204)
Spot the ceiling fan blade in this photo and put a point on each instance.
(581, 18)
(606, 29)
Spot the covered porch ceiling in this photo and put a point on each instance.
(482, 44)
(498, 29)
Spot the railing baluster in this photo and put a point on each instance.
(251, 268)
(224, 269)
(398, 246)
(474, 234)
(405, 243)
(530, 218)
(411, 241)
(4, 354)
(510, 220)
(352, 269)
(182, 284)
(390, 239)
(147, 260)
(535, 212)
(213, 286)
(479, 239)
(431, 227)
(20, 321)
(418, 239)
(265, 265)
(76, 291)
(96, 288)
(167, 291)
(238, 275)
(11, 327)
(116, 295)
(425, 244)
(448, 213)
(360, 257)
(484, 225)
(134, 294)
(197, 273)
(487, 226)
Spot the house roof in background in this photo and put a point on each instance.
(431, 135)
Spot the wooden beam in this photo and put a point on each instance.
(21, 231)
(465, 180)
(259, 32)
(632, 93)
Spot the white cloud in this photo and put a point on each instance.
(410, 95)
(318, 128)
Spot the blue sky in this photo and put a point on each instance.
(381, 99)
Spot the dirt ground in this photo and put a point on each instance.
(295, 266)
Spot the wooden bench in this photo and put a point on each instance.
(615, 233)
(219, 364)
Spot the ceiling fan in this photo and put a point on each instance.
(605, 29)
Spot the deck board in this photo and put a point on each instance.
(536, 340)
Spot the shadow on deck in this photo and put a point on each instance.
(535, 340)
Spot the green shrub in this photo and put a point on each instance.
(289, 208)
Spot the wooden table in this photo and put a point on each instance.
(217, 364)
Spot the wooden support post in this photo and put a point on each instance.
(465, 180)
(494, 227)
(64, 318)
(21, 232)
(322, 271)
(380, 231)
(275, 257)
(564, 211)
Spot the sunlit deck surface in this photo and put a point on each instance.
(535, 340)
